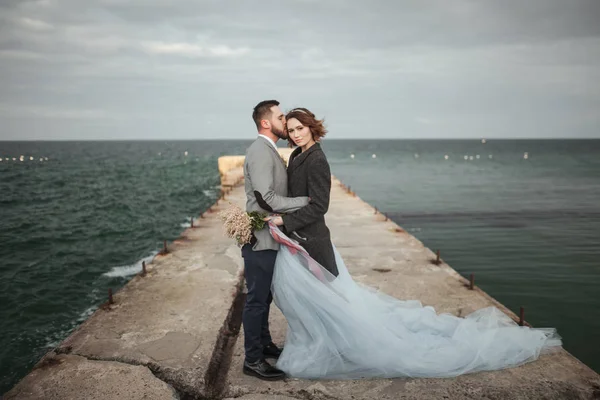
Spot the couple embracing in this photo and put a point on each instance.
(337, 328)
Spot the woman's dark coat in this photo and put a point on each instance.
(309, 175)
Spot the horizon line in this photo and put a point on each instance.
(326, 140)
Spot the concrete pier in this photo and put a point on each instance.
(174, 333)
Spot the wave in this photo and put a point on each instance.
(187, 224)
(128, 270)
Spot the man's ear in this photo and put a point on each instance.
(265, 123)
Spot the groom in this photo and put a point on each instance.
(266, 187)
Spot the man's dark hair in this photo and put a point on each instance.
(263, 111)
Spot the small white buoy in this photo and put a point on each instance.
(477, 156)
(470, 158)
(466, 157)
(41, 159)
(526, 155)
(14, 159)
(45, 158)
(351, 155)
(446, 156)
(159, 153)
(185, 154)
(374, 156)
(30, 158)
(490, 157)
(0, 159)
(483, 141)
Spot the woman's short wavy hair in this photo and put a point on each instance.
(308, 119)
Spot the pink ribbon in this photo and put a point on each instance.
(295, 248)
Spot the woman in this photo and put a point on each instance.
(338, 329)
(309, 175)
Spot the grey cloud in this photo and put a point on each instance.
(151, 69)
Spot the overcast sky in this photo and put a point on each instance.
(194, 69)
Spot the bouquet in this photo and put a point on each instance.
(239, 224)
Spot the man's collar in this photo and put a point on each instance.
(268, 139)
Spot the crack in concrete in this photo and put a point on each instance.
(220, 362)
(182, 391)
(215, 379)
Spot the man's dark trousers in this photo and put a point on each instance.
(258, 271)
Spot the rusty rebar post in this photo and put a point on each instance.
(191, 222)
(165, 249)
(472, 282)
(521, 316)
(437, 258)
(110, 296)
(143, 268)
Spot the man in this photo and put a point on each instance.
(266, 187)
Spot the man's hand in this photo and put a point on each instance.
(277, 220)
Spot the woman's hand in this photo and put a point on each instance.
(277, 220)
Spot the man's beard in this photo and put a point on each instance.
(281, 134)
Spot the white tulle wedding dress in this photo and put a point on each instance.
(339, 329)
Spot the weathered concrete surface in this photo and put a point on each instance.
(262, 397)
(380, 254)
(226, 164)
(72, 377)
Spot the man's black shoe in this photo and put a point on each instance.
(263, 370)
(271, 351)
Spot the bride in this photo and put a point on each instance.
(340, 329)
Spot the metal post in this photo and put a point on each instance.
(472, 282)
(192, 222)
(521, 316)
(110, 296)
(143, 268)
(437, 258)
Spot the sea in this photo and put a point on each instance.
(77, 218)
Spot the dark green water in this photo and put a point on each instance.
(80, 222)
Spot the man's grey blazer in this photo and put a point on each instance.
(267, 187)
